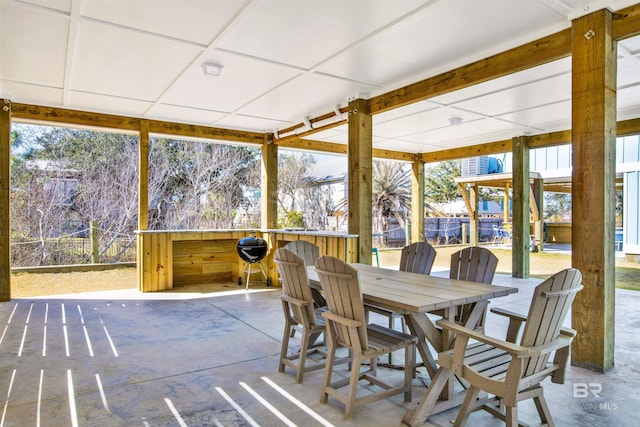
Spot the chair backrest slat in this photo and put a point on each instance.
(475, 264)
(340, 284)
(295, 282)
(305, 250)
(550, 305)
(417, 257)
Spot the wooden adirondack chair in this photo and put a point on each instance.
(346, 327)
(512, 372)
(305, 250)
(299, 313)
(474, 264)
(309, 253)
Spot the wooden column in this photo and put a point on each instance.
(5, 225)
(143, 180)
(417, 200)
(474, 219)
(360, 172)
(521, 224)
(537, 195)
(269, 187)
(505, 208)
(470, 192)
(593, 189)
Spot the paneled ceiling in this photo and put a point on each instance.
(287, 60)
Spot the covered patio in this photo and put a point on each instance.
(201, 357)
(156, 359)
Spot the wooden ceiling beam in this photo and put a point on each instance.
(333, 148)
(626, 23)
(62, 116)
(470, 151)
(529, 55)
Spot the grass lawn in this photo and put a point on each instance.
(542, 265)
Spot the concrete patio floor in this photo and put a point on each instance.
(194, 357)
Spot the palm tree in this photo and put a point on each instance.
(391, 190)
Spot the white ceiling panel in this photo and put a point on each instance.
(241, 81)
(287, 59)
(628, 97)
(432, 119)
(631, 44)
(46, 34)
(193, 20)
(536, 117)
(40, 95)
(440, 35)
(477, 128)
(555, 68)
(186, 115)
(628, 70)
(338, 134)
(314, 94)
(255, 124)
(547, 91)
(397, 113)
(408, 146)
(60, 5)
(304, 33)
(107, 104)
(130, 64)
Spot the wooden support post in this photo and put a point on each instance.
(474, 220)
(5, 225)
(360, 159)
(520, 228)
(269, 217)
(143, 173)
(505, 208)
(95, 244)
(417, 201)
(269, 199)
(593, 188)
(537, 194)
(143, 200)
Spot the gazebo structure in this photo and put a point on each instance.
(93, 65)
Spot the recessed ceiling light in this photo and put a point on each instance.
(455, 120)
(212, 69)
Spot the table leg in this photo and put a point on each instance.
(429, 403)
(422, 327)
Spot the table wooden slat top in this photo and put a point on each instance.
(404, 292)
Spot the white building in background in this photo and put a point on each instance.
(555, 162)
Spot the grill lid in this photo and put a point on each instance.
(252, 249)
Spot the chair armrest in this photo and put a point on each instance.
(511, 348)
(509, 314)
(342, 320)
(515, 323)
(295, 301)
(557, 344)
(568, 332)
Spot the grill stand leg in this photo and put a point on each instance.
(247, 269)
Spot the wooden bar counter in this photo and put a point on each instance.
(172, 258)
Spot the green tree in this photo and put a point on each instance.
(440, 186)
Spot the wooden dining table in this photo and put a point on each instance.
(415, 296)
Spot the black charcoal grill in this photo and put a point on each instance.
(252, 250)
